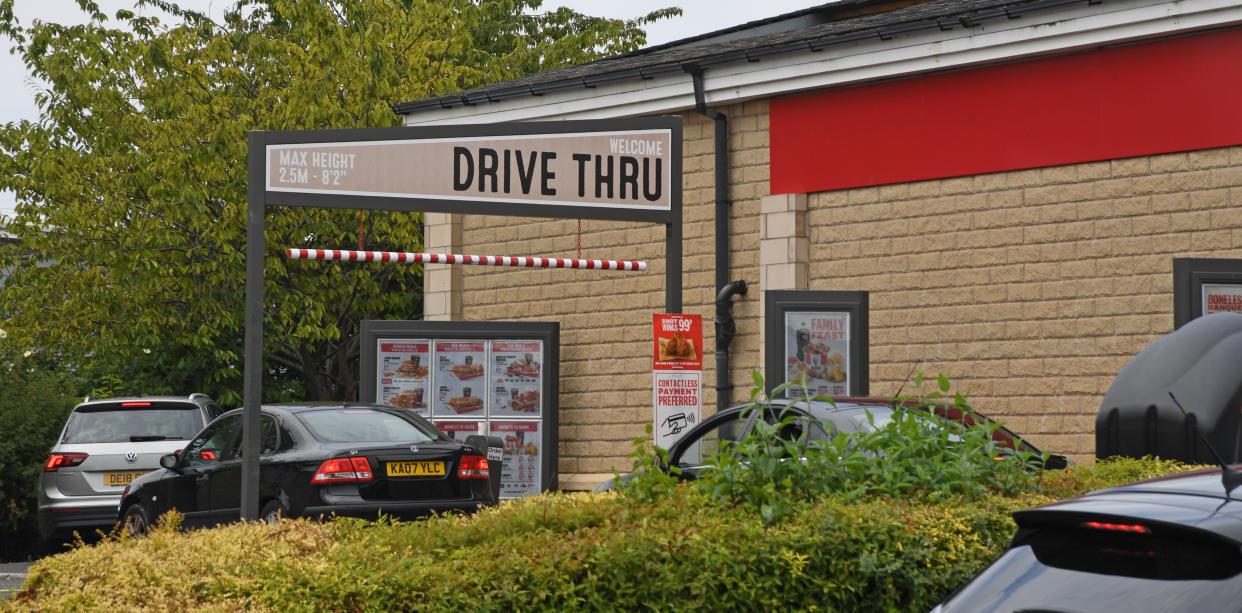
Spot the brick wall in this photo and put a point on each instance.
(605, 317)
(1030, 289)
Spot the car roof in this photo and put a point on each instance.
(1195, 500)
(301, 407)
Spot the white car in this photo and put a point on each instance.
(105, 444)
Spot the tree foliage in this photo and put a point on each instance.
(131, 186)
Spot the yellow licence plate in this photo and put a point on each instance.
(122, 478)
(416, 469)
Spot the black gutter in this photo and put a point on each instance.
(726, 328)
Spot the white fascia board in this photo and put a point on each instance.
(837, 65)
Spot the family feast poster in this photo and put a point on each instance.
(817, 348)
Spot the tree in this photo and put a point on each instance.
(131, 188)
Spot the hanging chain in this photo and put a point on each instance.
(361, 217)
(579, 239)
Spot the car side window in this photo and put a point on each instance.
(269, 438)
(214, 411)
(208, 447)
(286, 439)
(711, 441)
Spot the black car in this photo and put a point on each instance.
(1170, 544)
(358, 460)
(814, 421)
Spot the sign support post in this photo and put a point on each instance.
(252, 370)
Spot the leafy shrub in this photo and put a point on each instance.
(34, 403)
(913, 455)
(558, 552)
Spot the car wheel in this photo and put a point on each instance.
(272, 512)
(136, 523)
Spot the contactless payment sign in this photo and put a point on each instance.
(677, 365)
(678, 341)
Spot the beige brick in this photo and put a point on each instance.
(1170, 162)
(1094, 170)
(1130, 167)
(1058, 174)
(1114, 188)
(957, 185)
(1211, 241)
(1225, 177)
(1006, 199)
(1190, 222)
(1165, 203)
(1209, 199)
(1209, 158)
(924, 189)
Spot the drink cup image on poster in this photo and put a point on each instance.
(520, 474)
(460, 384)
(517, 378)
(678, 404)
(459, 430)
(404, 366)
(817, 346)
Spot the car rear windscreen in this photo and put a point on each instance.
(1073, 570)
(110, 423)
(366, 426)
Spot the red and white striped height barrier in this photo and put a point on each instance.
(450, 258)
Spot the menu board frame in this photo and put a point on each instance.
(1193, 278)
(540, 372)
(782, 306)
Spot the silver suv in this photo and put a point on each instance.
(104, 445)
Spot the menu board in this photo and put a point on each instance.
(817, 346)
(460, 384)
(523, 442)
(403, 374)
(459, 430)
(517, 378)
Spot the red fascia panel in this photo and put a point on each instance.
(1178, 94)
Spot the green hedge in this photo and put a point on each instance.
(34, 403)
(566, 552)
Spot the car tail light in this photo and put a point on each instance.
(473, 467)
(342, 470)
(63, 460)
(135, 404)
(1131, 528)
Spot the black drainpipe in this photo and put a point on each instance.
(726, 328)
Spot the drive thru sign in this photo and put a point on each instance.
(677, 366)
(617, 169)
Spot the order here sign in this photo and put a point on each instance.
(677, 365)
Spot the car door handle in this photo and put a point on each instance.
(201, 479)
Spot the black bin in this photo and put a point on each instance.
(1201, 364)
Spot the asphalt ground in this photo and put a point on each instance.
(11, 578)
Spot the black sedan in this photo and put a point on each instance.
(814, 421)
(1169, 544)
(356, 460)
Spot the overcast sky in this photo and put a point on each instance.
(699, 16)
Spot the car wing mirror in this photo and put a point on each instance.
(169, 461)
